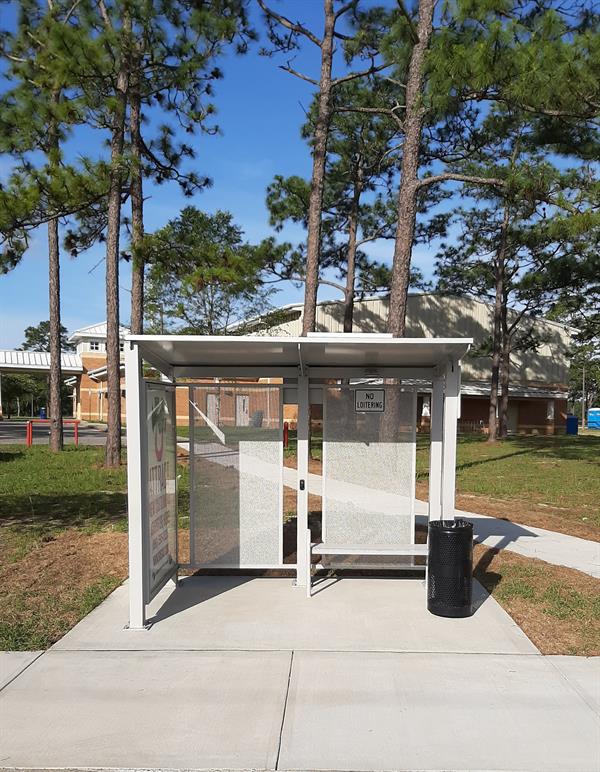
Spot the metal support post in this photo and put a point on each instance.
(303, 434)
(435, 452)
(136, 417)
(451, 399)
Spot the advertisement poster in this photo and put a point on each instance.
(162, 488)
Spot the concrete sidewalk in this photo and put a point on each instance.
(240, 673)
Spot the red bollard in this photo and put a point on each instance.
(76, 423)
(286, 434)
(29, 434)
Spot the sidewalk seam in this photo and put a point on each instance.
(580, 693)
(20, 673)
(285, 703)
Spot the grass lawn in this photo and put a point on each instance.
(63, 541)
(557, 608)
(549, 482)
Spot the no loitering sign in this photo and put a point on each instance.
(369, 400)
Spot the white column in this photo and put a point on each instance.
(451, 400)
(136, 417)
(303, 433)
(436, 423)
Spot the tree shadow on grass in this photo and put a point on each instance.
(554, 447)
(51, 512)
(561, 447)
(10, 455)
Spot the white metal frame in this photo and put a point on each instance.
(445, 409)
(136, 485)
(302, 455)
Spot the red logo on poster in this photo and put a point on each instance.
(159, 421)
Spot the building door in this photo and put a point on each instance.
(513, 418)
(242, 410)
(212, 408)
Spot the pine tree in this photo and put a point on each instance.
(154, 55)
(541, 58)
(522, 244)
(285, 35)
(38, 111)
(173, 65)
(356, 198)
(202, 276)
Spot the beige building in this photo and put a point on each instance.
(539, 376)
(90, 391)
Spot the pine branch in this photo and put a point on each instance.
(292, 26)
(391, 112)
(341, 11)
(411, 25)
(361, 74)
(447, 176)
(287, 68)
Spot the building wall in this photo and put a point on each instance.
(437, 316)
(92, 394)
(234, 406)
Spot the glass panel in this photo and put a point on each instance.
(237, 458)
(162, 490)
(368, 468)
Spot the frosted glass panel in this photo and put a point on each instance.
(368, 470)
(237, 475)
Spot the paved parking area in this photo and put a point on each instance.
(240, 673)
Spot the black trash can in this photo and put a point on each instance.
(450, 568)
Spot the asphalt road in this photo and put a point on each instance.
(14, 432)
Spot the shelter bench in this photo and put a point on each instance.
(321, 548)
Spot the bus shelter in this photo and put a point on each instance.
(236, 388)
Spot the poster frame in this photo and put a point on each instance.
(151, 591)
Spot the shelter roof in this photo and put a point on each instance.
(321, 350)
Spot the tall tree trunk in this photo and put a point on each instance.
(351, 254)
(315, 202)
(55, 375)
(496, 354)
(407, 195)
(137, 209)
(504, 373)
(113, 353)
(500, 271)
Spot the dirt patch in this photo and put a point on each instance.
(518, 511)
(50, 589)
(557, 608)
(315, 465)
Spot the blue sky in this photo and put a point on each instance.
(260, 111)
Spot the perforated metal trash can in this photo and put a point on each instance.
(450, 568)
